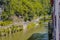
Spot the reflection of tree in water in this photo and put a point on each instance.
(39, 36)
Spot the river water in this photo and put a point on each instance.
(24, 35)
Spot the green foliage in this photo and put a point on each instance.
(10, 30)
(31, 25)
(5, 23)
(28, 9)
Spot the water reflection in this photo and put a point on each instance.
(39, 36)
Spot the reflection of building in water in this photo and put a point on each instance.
(56, 19)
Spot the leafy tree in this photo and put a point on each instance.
(28, 9)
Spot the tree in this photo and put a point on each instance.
(27, 8)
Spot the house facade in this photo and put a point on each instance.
(56, 20)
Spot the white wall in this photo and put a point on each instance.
(57, 18)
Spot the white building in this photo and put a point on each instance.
(56, 19)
